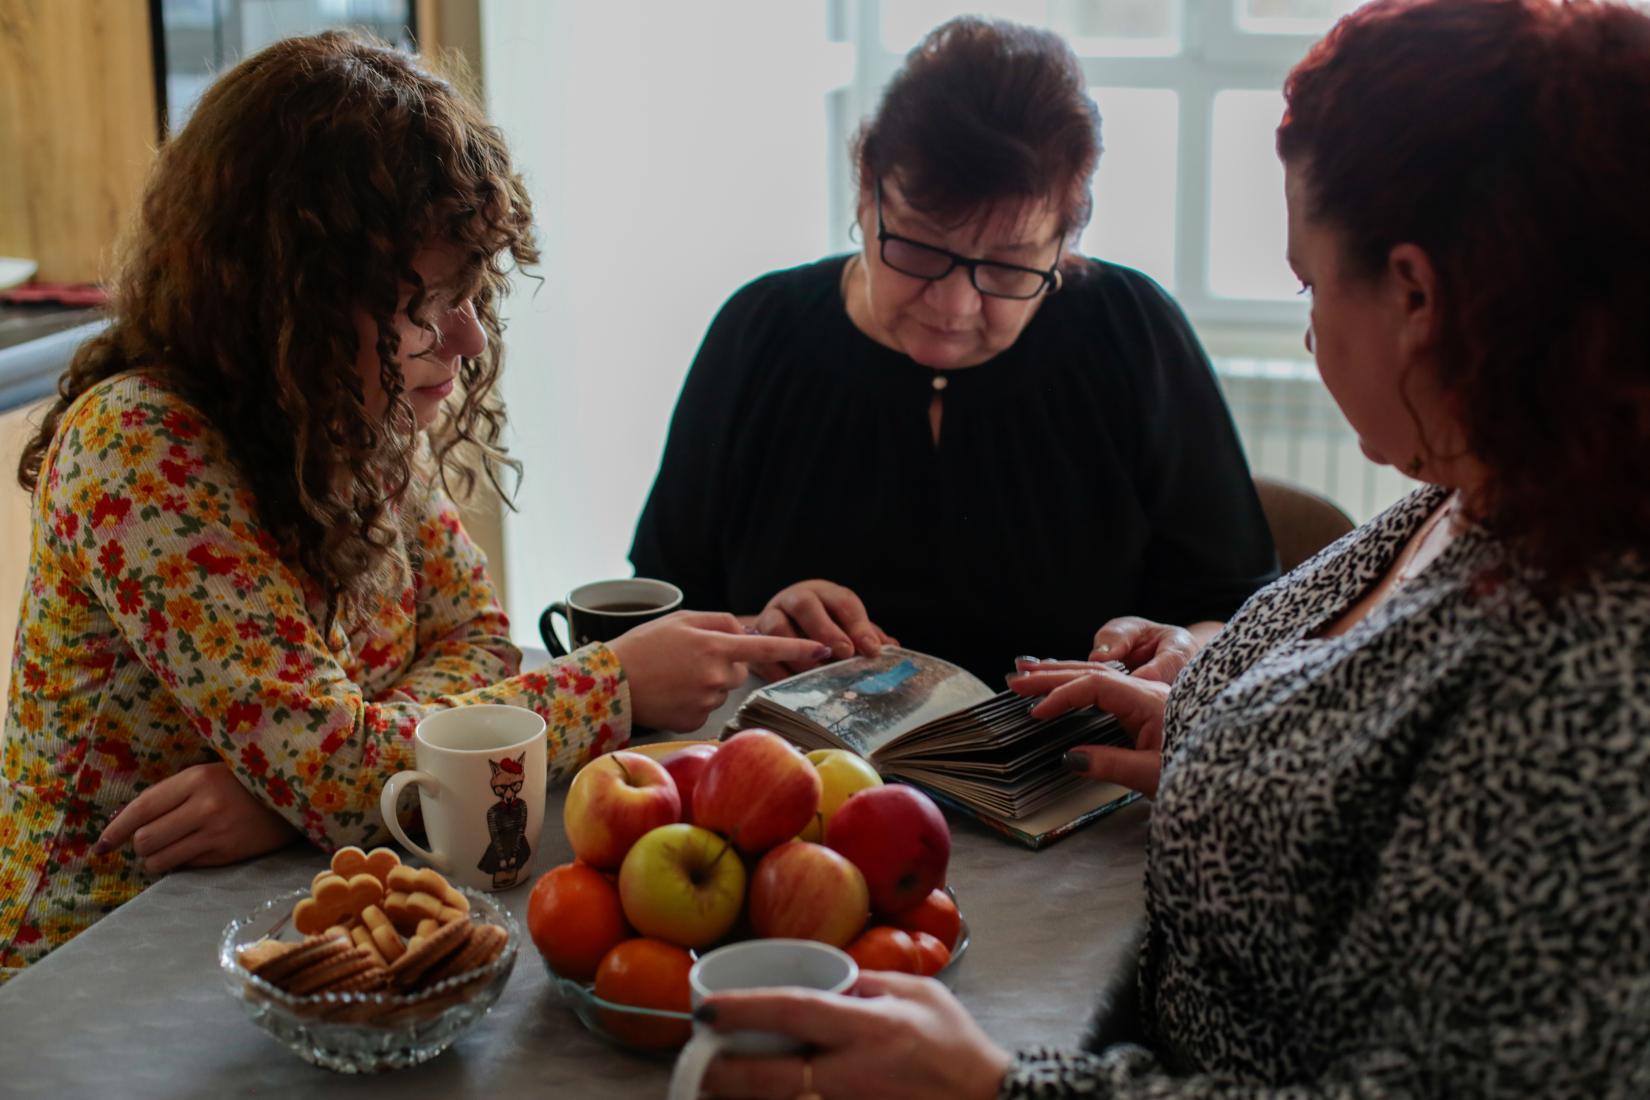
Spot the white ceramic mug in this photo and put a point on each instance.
(480, 780)
(754, 964)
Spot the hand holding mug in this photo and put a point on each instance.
(681, 667)
(755, 964)
(896, 1035)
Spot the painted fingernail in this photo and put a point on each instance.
(822, 653)
(1102, 650)
(1026, 661)
(753, 630)
(102, 847)
(1075, 761)
(705, 1014)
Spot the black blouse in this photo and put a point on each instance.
(1091, 470)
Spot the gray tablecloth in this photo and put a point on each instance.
(136, 1007)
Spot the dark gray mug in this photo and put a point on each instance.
(602, 610)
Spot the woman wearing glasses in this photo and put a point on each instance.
(1002, 444)
(1402, 835)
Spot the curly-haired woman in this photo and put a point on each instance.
(247, 581)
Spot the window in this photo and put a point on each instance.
(1188, 191)
(200, 38)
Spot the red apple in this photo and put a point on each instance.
(613, 801)
(682, 884)
(757, 790)
(806, 891)
(898, 839)
(685, 766)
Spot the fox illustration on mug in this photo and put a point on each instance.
(509, 852)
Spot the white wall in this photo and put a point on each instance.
(674, 151)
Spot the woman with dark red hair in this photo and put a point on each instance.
(1401, 840)
(964, 435)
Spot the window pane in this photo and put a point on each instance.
(904, 22)
(1291, 16)
(1120, 27)
(1247, 217)
(1135, 189)
(203, 37)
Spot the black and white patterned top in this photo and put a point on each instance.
(1410, 861)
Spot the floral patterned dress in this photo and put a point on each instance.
(160, 628)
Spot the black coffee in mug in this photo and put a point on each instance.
(602, 610)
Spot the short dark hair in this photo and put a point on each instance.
(984, 111)
(1509, 139)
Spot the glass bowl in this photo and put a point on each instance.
(603, 1017)
(364, 1032)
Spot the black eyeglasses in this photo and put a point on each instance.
(990, 277)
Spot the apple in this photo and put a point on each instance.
(841, 773)
(898, 839)
(613, 801)
(682, 884)
(685, 766)
(757, 791)
(806, 891)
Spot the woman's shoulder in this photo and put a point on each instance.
(767, 319)
(1100, 284)
(135, 398)
(1124, 316)
(134, 419)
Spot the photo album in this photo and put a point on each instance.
(925, 721)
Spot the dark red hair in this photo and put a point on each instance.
(982, 112)
(1509, 139)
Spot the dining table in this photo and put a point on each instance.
(136, 1006)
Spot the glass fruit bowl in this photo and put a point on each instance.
(660, 1031)
(364, 1032)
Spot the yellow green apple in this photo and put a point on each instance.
(682, 884)
(841, 774)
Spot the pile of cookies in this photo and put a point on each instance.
(373, 925)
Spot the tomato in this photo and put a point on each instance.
(575, 918)
(933, 953)
(885, 948)
(648, 974)
(937, 915)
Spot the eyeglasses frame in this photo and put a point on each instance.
(1051, 277)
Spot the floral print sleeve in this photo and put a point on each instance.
(160, 628)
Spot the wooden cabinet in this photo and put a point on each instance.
(78, 129)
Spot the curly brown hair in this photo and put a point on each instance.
(1508, 139)
(293, 201)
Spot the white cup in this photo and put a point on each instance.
(754, 964)
(480, 780)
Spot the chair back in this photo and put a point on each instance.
(1302, 522)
